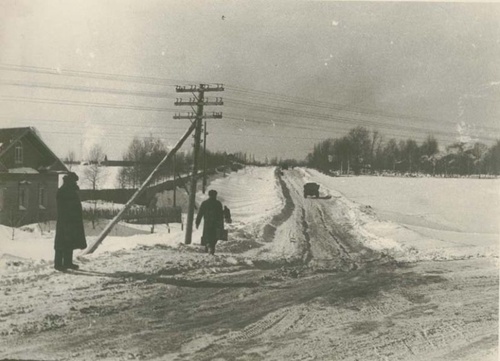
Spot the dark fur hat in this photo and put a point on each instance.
(71, 176)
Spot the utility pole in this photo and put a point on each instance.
(175, 181)
(197, 118)
(204, 157)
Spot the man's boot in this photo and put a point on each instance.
(58, 260)
(68, 260)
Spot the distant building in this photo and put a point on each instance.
(29, 177)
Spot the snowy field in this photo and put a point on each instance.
(436, 217)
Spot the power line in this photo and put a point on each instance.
(317, 116)
(348, 126)
(163, 81)
(272, 136)
(396, 135)
(299, 113)
(89, 89)
(328, 105)
(89, 74)
(100, 124)
(278, 110)
(115, 136)
(257, 106)
(84, 104)
(253, 92)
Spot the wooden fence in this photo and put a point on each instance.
(138, 215)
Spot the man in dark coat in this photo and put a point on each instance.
(70, 234)
(213, 224)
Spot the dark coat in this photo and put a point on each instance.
(69, 229)
(211, 211)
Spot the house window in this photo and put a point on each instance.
(18, 154)
(42, 198)
(23, 198)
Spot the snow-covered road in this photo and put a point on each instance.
(318, 279)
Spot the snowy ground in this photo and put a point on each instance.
(299, 279)
(252, 194)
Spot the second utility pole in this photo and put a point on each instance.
(204, 187)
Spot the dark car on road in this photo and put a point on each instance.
(311, 189)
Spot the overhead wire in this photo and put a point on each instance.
(277, 110)
(347, 124)
(90, 89)
(89, 74)
(371, 115)
(165, 126)
(115, 136)
(84, 104)
(255, 106)
(330, 105)
(313, 115)
(346, 130)
(166, 81)
(163, 81)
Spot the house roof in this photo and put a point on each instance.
(9, 137)
(23, 170)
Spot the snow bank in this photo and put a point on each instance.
(30, 242)
(108, 206)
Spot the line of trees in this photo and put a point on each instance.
(364, 151)
(146, 153)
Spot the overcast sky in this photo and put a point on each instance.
(295, 72)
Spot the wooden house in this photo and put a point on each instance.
(29, 178)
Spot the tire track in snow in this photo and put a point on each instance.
(344, 252)
(219, 345)
(274, 324)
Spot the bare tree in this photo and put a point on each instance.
(145, 154)
(94, 173)
(15, 219)
(70, 159)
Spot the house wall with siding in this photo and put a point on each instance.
(12, 213)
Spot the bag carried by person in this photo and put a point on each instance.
(227, 215)
(221, 234)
